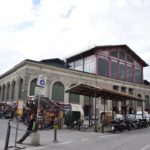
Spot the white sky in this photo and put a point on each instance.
(44, 29)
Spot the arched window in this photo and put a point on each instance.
(20, 88)
(74, 98)
(8, 91)
(13, 90)
(58, 91)
(3, 93)
(139, 103)
(33, 84)
(0, 93)
(147, 102)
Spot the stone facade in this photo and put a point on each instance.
(29, 70)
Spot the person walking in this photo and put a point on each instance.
(29, 129)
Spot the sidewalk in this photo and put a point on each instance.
(46, 136)
(63, 136)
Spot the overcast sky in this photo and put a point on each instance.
(44, 29)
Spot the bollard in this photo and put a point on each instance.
(16, 132)
(55, 130)
(35, 138)
(7, 136)
(55, 134)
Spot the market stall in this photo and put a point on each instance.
(46, 111)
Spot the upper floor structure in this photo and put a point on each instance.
(117, 62)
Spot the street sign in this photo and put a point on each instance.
(40, 91)
(41, 81)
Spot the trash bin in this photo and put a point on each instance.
(35, 139)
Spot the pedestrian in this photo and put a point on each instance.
(29, 129)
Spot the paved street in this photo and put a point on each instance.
(77, 140)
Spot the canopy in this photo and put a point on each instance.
(93, 91)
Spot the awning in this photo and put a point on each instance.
(85, 89)
(93, 91)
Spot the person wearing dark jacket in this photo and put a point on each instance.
(29, 129)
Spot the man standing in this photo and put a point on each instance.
(29, 129)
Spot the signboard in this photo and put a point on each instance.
(39, 91)
(20, 107)
(41, 81)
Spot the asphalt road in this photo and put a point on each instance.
(133, 140)
(79, 140)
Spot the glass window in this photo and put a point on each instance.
(114, 53)
(105, 52)
(137, 64)
(3, 93)
(0, 93)
(89, 64)
(8, 90)
(131, 102)
(74, 98)
(88, 105)
(115, 87)
(79, 65)
(58, 91)
(138, 75)
(103, 67)
(114, 69)
(147, 102)
(129, 73)
(130, 91)
(13, 90)
(123, 89)
(32, 87)
(21, 88)
(129, 59)
(122, 71)
(122, 54)
(103, 101)
(139, 103)
(88, 100)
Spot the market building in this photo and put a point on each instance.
(116, 68)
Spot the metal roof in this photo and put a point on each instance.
(93, 91)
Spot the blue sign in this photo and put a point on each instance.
(42, 82)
